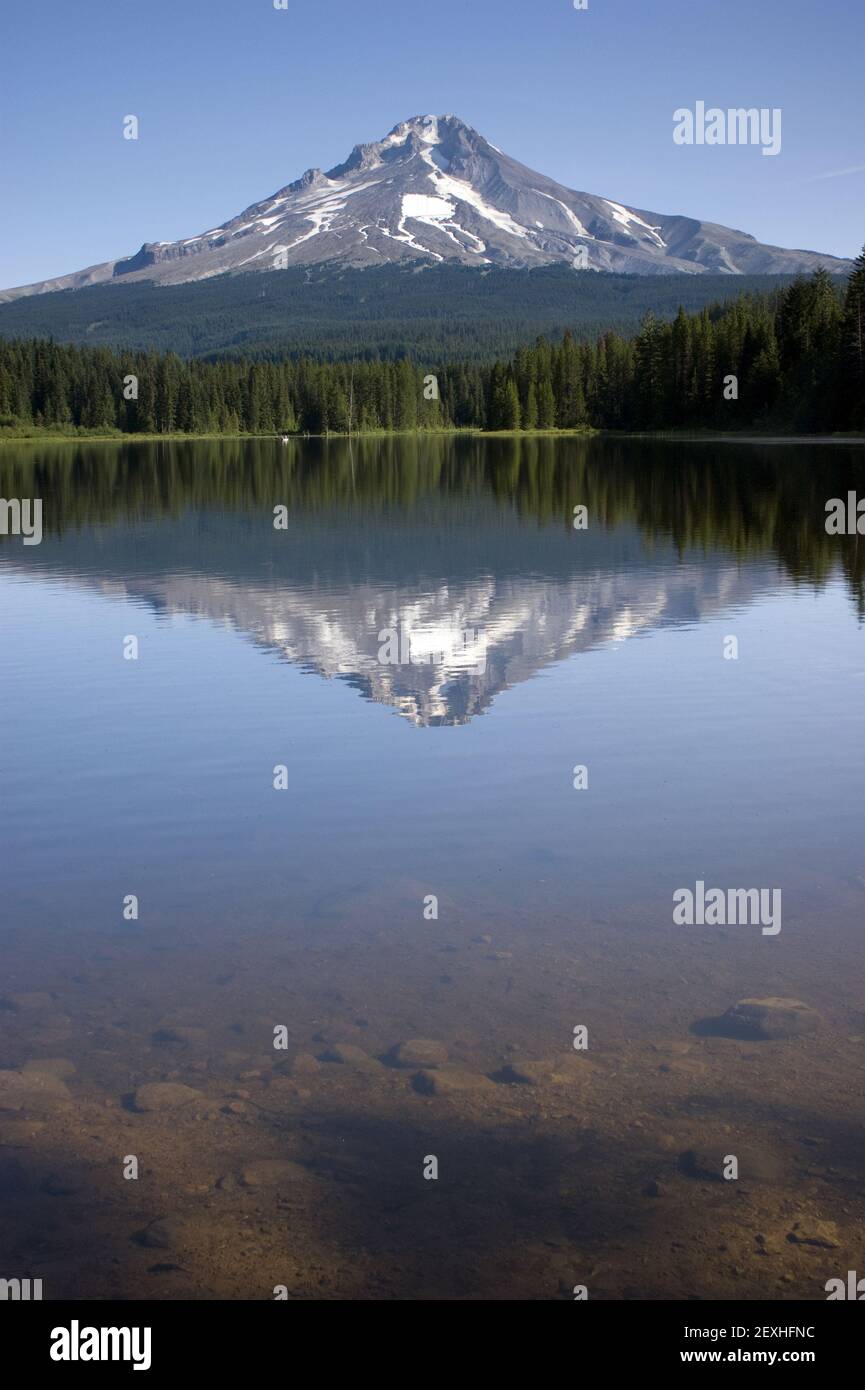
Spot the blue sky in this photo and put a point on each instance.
(236, 99)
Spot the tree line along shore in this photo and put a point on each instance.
(791, 361)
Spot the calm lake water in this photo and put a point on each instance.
(429, 649)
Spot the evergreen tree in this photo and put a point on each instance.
(853, 345)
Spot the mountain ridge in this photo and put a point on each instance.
(435, 191)
(445, 312)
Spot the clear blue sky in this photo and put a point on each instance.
(236, 99)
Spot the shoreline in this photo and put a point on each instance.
(669, 436)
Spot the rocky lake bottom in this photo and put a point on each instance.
(302, 1169)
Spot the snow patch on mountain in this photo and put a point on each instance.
(450, 187)
(574, 221)
(630, 219)
(427, 208)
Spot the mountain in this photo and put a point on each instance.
(435, 191)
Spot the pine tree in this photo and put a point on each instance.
(853, 345)
(649, 374)
(546, 404)
(511, 406)
(530, 410)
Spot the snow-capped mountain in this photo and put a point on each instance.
(435, 190)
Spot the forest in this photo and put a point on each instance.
(442, 313)
(790, 361)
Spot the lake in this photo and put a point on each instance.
(346, 789)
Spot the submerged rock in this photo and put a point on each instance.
(61, 1067)
(273, 1172)
(756, 1163)
(420, 1052)
(449, 1081)
(772, 1018)
(525, 1073)
(823, 1235)
(684, 1066)
(36, 1091)
(301, 1064)
(698, 1163)
(346, 1054)
(18, 1131)
(163, 1234)
(164, 1095)
(676, 1048)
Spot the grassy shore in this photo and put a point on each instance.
(42, 436)
(50, 436)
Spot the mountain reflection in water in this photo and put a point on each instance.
(433, 574)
